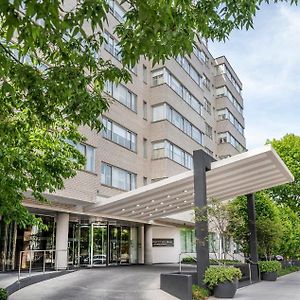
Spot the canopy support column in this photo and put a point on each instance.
(202, 163)
(252, 237)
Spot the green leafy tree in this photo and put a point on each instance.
(268, 224)
(290, 241)
(288, 149)
(52, 76)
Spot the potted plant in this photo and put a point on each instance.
(269, 269)
(3, 294)
(199, 293)
(222, 280)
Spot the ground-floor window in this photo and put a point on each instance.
(15, 240)
(188, 240)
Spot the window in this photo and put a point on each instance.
(145, 181)
(158, 77)
(165, 111)
(116, 10)
(164, 76)
(165, 149)
(184, 63)
(112, 46)
(200, 54)
(222, 69)
(188, 240)
(118, 178)
(213, 242)
(89, 153)
(159, 113)
(145, 73)
(145, 148)
(145, 110)
(225, 114)
(224, 92)
(206, 82)
(226, 137)
(207, 106)
(119, 134)
(121, 94)
(208, 130)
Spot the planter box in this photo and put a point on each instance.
(225, 289)
(177, 284)
(269, 276)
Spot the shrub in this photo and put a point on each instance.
(199, 293)
(215, 275)
(288, 270)
(188, 260)
(269, 266)
(227, 262)
(3, 294)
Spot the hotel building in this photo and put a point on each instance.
(152, 127)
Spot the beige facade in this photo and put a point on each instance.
(221, 134)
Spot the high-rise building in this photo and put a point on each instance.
(152, 128)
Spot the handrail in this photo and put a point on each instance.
(180, 254)
(51, 251)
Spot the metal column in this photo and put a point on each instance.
(202, 163)
(252, 237)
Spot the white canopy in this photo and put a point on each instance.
(241, 174)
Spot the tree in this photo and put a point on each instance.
(268, 224)
(288, 149)
(52, 76)
(290, 241)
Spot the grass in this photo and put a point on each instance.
(288, 270)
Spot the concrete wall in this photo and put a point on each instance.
(166, 254)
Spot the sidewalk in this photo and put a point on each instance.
(286, 287)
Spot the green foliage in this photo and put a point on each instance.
(215, 275)
(162, 29)
(188, 260)
(52, 80)
(269, 266)
(199, 293)
(288, 270)
(52, 77)
(227, 262)
(268, 223)
(290, 240)
(3, 294)
(288, 149)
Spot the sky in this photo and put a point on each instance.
(267, 60)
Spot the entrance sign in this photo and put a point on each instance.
(162, 242)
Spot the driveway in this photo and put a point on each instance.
(114, 283)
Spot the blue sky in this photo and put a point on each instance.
(267, 60)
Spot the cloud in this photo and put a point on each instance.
(267, 60)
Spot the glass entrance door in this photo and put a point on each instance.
(125, 245)
(99, 245)
(114, 244)
(103, 244)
